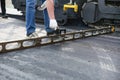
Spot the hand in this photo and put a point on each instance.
(53, 24)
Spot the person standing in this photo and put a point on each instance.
(49, 18)
(3, 8)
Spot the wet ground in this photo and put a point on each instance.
(94, 58)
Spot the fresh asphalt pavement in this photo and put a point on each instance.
(93, 58)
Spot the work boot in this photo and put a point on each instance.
(5, 16)
(60, 31)
(57, 31)
(50, 31)
(33, 35)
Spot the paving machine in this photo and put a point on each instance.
(90, 11)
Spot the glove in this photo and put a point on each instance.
(53, 24)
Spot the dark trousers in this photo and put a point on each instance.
(3, 7)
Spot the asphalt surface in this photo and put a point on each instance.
(93, 58)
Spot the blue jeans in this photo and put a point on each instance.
(30, 17)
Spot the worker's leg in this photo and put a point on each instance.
(30, 16)
(46, 20)
(3, 7)
(50, 8)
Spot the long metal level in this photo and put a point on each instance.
(46, 40)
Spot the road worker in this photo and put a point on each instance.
(49, 18)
